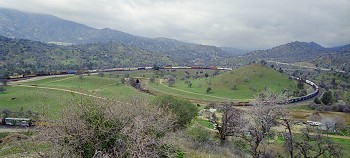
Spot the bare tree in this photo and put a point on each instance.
(91, 127)
(264, 115)
(316, 145)
(231, 122)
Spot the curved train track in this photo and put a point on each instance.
(72, 72)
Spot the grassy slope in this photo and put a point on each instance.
(249, 81)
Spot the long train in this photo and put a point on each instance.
(64, 72)
(308, 96)
(292, 100)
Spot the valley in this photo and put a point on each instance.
(71, 90)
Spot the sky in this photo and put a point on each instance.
(244, 24)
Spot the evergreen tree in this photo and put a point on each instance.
(327, 98)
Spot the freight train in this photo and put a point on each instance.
(292, 100)
(308, 96)
(64, 72)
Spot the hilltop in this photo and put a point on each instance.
(251, 79)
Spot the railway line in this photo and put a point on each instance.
(18, 78)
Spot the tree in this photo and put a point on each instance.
(91, 127)
(263, 62)
(184, 110)
(189, 85)
(314, 144)
(2, 89)
(317, 101)
(300, 85)
(263, 117)
(280, 70)
(3, 78)
(206, 75)
(327, 98)
(171, 82)
(234, 87)
(208, 90)
(123, 80)
(231, 122)
(152, 79)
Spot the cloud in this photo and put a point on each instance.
(236, 23)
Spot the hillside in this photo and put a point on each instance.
(48, 28)
(249, 80)
(18, 55)
(237, 85)
(294, 51)
(337, 57)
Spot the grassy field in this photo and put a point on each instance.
(51, 93)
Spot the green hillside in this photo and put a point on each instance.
(240, 84)
(251, 79)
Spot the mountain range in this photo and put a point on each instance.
(78, 42)
(51, 29)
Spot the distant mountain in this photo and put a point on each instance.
(48, 28)
(294, 51)
(337, 57)
(234, 51)
(18, 55)
(341, 48)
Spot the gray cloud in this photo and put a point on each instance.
(237, 23)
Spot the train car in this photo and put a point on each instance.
(195, 67)
(63, 72)
(133, 68)
(141, 68)
(72, 72)
(43, 73)
(30, 75)
(212, 67)
(167, 67)
(242, 104)
(16, 76)
(148, 68)
(24, 122)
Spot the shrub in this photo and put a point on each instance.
(184, 110)
(110, 128)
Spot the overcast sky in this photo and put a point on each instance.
(244, 24)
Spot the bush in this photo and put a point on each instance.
(199, 136)
(208, 90)
(184, 110)
(317, 101)
(110, 128)
(2, 89)
(327, 98)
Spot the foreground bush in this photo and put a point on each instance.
(184, 110)
(111, 129)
